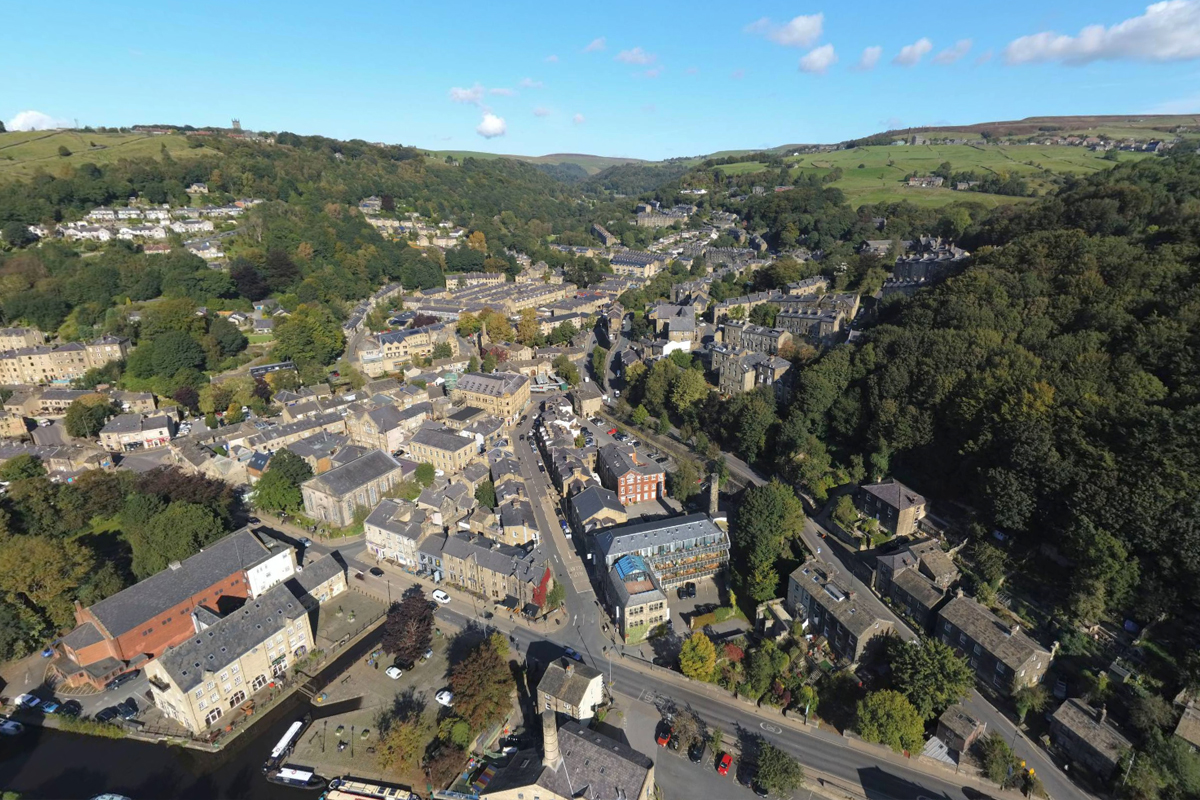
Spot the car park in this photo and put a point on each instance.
(445, 698)
(394, 672)
(726, 762)
(441, 597)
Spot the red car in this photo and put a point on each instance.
(726, 761)
(612, 431)
(664, 734)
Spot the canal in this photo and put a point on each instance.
(46, 764)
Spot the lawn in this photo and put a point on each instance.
(22, 153)
(875, 174)
(259, 338)
(742, 168)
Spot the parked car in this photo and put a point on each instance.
(305, 542)
(664, 733)
(128, 709)
(726, 762)
(759, 789)
(376, 571)
(690, 588)
(445, 697)
(428, 655)
(394, 672)
(71, 708)
(122, 679)
(10, 727)
(441, 597)
(612, 432)
(107, 714)
(26, 701)
(696, 751)
(572, 654)
(51, 707)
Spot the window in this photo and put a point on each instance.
(200, 692)
(225, 675)
(235, 669)
(237, 681)
(978, 649)
(259, 682)
(227, 688)
(210, 685)
(202, 705)
(213, 716)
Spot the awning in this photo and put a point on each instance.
(509, 602)
(531, 610)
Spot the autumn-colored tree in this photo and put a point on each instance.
(399, 749)
(527, 326)
(482, 686)
(477, 241)
(698, 657)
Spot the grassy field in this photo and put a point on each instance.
(883, 169)
(22, 153)
(592, 164)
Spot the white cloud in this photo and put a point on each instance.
(596, 45)
(474, 95)
(653, 72)
(541, 111)
(577, 119)
(818, 60)
(691, 70)
(503, 91)
(869, 58)
(984, 57)
(649, 108)
(1168, 31)
(952, 54)
(552, 59)
(911, 54)
(530, 83)
(492, 126)
(36, 121)
(800, 32)
(738, 74)
(635, 56)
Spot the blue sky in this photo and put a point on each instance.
(641, 79)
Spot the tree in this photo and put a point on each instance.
(279, 487)
(930, 675)
(309, 335)
(447, 763)
(1000, 764)
(887, 717)
(425, 474)
(688, 389)
(1030, 698)
(556, 596)
(599, 356)
(87, 415)
(408, 629)
(769, 518)
(176, 533)
(442, 350)
(22, 466)
(777, 771)
(41, 574)
(991, 562)
(483, 685)
(485, 493)
(18, 235)
(698, 657)
(174, 351)
(640, 415)
(845, 514)
(566, 369)
(399, 749)
(684, 479)
(528, 328)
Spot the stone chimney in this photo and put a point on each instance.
(1102, 714)
(551, 758)
(714, 490)
(958, 592)
(1014, 630)
(570, 668)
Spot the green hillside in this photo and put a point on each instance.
(22, 153)
(591, 164)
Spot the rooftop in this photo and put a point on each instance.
(639, 536)
(568, 680)
(1014, 649)
(895, 494)
(342, 480)
(132, 607)
(220, 644)
(819, 581)
(496, 384)
(440, 438)
(1084, 722)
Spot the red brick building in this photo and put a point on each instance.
(137, 624)
(621, 472)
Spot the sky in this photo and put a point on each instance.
(632, 79)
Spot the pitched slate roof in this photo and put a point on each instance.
(663, 532)
(593, 500)
(223, 642)
(341, 481)
(132, 607)
(1013, 649)
(895, 494)
(441, 438)
(568, 680)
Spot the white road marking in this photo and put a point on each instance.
(766, 726)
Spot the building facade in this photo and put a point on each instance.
(501, 394)
(832, 611)
(1001, 655)
(334, 496)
